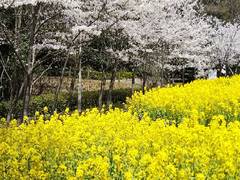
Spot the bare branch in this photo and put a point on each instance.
(4, 67)
(13, 46)
(42, 74)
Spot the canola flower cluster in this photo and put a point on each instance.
(201, 99)
(116, 145)
(120, 144)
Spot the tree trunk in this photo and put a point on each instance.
(111, 86)
(229, 71)
(219, 70)
(27, 96)
(133, 83)
(30, 61)
(88, 73)
(13, 84)
(12, 104)
(183, 75)
(162, 75)
(1, 86)
(101, 93)
(61, 81)
(28, 86)
(73, 80)
(20, 92)
(144, 82)
(80, 84)
(18, 24)
(11, 109)
(13, 89)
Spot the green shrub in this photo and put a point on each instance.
(89, 100)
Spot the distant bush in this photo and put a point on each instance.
(96, 75)
(89, 100)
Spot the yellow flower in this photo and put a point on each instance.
(128, 175)
(62, 169)
(117, 158)
(200, 176)
(25, 118)
(37, 113)
(67, 110)
(45, 109)
(142, 142)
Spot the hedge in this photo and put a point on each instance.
(89, 100)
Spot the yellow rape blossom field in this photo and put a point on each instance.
(133, 144)
(201, 99)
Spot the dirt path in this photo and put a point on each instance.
(49, 84)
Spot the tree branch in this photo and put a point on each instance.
(4, 67)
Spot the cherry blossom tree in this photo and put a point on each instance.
(82, 20)
(225, 52)
(161, 34)
(100, 17)
(180, 24)
(31, 31)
